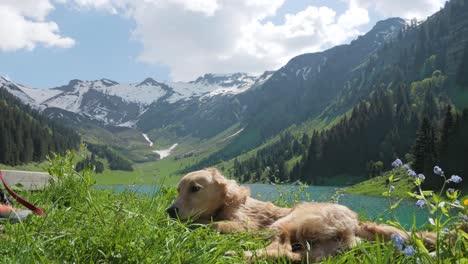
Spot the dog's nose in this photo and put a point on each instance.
(172, 211)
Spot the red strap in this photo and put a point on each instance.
(20, 200)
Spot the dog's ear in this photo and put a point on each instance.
(233, 193)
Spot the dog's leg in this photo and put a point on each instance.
(229, 227)
(280, 247)
(369, 230)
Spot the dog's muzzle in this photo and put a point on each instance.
(173, 211)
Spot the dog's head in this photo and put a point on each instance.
(205, 193)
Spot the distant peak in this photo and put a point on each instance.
(149, 81)
(389, 23)
(108, 82)
(214, 78)
(74, 82)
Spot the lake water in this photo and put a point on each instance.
(372, 208)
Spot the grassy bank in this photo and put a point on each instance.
(378, 185)
(84, 225)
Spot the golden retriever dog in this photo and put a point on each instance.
(308, 230)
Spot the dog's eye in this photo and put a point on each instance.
(195, 188)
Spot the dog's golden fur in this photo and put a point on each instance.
(327, 228)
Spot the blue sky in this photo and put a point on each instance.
(49, 43)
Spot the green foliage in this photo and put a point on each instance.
(270, 163)
(90, 162)
(447, 217)
(380, 184)
(85, 225)
(115, 159)
(27, 136)
(381, 127)
(424, 149)
(462, 74)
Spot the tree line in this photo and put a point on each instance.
(116, 160)
(27, 136)
(416, 122)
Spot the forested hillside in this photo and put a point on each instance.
(392, 123)
(26, 135)
(405, 100)
(328, 84)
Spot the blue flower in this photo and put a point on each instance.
(397, 163)
(409, 251)
(451, 190)
(456, 202)
(398, 241)
(455, 179)
(464, 218)
(438, 170)
(421, 177)
(420, 203)
(406, 167)
(411, 173)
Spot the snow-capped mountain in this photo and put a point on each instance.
(118, 104)
(203, 108)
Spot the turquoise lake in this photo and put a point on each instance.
(370, 207)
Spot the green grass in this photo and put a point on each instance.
(33, 166)
(163, 171)
(307, 127)
(168, 170)
(378, 185)
(85, 225)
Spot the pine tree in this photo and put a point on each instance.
(462, 75)
(424, 151)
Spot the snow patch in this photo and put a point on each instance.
(163, 153)
(142, 94)
(147, 139)
(129, 124)
(235, 134)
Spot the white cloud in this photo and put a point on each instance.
(23, 26)
(402, 8)
(195, 37)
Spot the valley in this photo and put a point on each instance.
(362, 105)
(280, 125)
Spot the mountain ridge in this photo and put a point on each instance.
(132, 99)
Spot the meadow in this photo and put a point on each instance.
(85, 225)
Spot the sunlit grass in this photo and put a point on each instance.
(85, 225)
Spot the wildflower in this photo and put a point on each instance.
(464, 218)
(411, 173)
(392, 187)
(451, 190)
(438, 170)
(421, 177)
(420, 203)
(397, 163)
(456, 202)
(398, 241)
(409, 251)
(406, 167)
(465, 202)
(455, 179)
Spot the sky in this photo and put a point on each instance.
(47, 43)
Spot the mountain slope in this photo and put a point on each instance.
(304, 87)
(412, 77)
(111, 103)
(26, 135)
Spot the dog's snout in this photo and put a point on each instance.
(172, 211)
